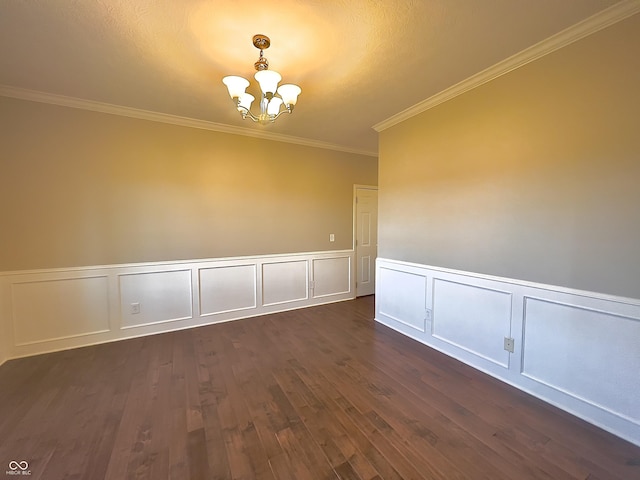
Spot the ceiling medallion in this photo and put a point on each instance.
(275, 100)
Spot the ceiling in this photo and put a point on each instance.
(358, 62)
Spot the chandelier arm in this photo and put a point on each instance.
(286, 110)
(247, 113)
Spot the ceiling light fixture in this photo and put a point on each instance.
(270, 104)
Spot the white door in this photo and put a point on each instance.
(366, 239)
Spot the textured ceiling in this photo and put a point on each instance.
(358, 61)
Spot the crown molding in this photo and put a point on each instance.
(72, 102)
(593, 24)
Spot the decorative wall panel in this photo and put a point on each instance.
(285, 281)
(589, 354)
(577, 350)
(159, 296)
(401, 297)
(227, 289)
(48, 310)
(45, 310)
(331, 276)
(473, 318)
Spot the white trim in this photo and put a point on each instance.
(176, 329)
(156, 322)
(288, 300)
(525, 283)
(356, 186)
(154, 293)
(356, 264)
(613, 410)
(593, 24)
(82, 104)
(349, 289)
(198, 277)
(421, 329)
(66, 337)
(179, 264)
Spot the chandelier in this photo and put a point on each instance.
(275, 100)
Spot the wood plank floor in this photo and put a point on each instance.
(318, 393)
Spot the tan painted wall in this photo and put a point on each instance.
(533, 176)
(85, 188)
(4, 347)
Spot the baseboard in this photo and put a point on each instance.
(43, 311)
(574, 349)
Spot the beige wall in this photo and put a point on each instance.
(4, 347)
(85, 188)
(533, 176)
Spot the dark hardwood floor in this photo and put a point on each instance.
(318, 393)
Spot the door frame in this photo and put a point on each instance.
(354, 234)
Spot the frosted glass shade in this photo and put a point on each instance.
(268, 80)
(236, 85)
(289, 93)
(274, 106)
(245, 101)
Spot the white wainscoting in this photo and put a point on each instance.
(228, 288)
(577, 350)
(163, 296)
(477, 332)
(48, 310)
(65, 308)
(285, 282)
(331, 276)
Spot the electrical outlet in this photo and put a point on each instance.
(509, 344)
(135, 308)
(428, 314)
(332, 237)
